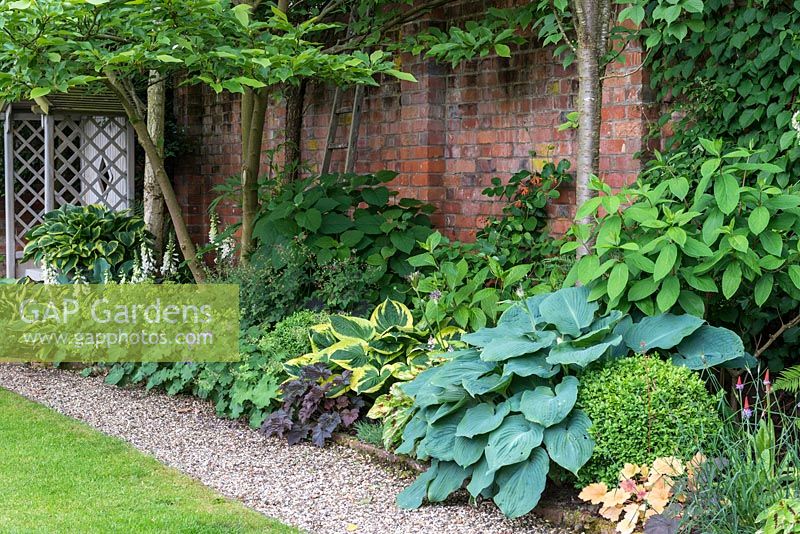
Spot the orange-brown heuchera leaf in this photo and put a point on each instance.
(628, 523)
(629, 471)
(611, 512)
(669, 466)
(658, 497)
(615, 497)
(594, 493)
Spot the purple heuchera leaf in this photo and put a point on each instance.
(349, 416)
(327, 424)
(318, 371)
(298, 433)
(277, 424)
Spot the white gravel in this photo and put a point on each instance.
(329, 490)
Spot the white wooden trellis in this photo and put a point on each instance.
(57, 159)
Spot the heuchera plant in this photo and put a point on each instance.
(644, 491)
(308, 412)
(499, 413)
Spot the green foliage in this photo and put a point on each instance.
(91, 243)
(521, 235)
(456, 287)
(755, 467)
(377, 351)
(394, 410)
(338, 217)
(370, 433)
(268, 294)
(748, 94)
(714, 239)
(640, 407)
(52, 46)
(245, 389)
(789, 380)
(783, 517)
(498, 413)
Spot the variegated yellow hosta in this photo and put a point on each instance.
(384, 348)
(643, 492)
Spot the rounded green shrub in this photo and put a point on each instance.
(289, 338)
(642, 408)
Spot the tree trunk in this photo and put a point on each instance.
(151, 150)
(251, 166)
(153, 198)
(295, 99)
(592, 24)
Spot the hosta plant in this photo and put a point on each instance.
(309, 412)
(376, 351)
(89, 243)
(500, 412)
(644, 491)
(393, 409)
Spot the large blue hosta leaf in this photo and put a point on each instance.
(482, 419)
(449, 478)
(517, 318)
(530, 366)
(708, 346)
(546, 407)
(482, 478)
(441, 437)
(569, 310)
(485, 384)
(520, 486)
(467, 451)
(568, 354)
(512, 441)
(413, 495)
(569, 443)
(504, 348)
(660, 332)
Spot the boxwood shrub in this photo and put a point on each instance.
(640, 407)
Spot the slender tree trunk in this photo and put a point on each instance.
(592, 24)
(295, 99)
(251, 166)
(151, 150)
(153, 198)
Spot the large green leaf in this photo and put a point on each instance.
(517, 318)
(412, 497)
(485, 384)
(662, 331)
(482, 478)
(391, 314)
(482, 419)
(530, 366)
(568, 354)
(707, 347)
(456, 371)
(512, 441)
(520, 486)
(569, 443)
(352, 327)
(569, 310)
(546, 407)
(449, 477)
(503, 348)
(441, 437)
(467, 451)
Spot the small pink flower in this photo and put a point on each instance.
(739, 384)
(746, 411)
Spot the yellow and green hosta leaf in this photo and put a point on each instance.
(391, 314)
(352, 327)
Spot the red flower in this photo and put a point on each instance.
(739, 385)
(746, 411)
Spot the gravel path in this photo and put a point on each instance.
(329, 490)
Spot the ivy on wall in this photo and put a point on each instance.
(737, 78)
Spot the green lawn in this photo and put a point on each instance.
(58, 475)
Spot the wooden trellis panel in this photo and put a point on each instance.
(55, 160)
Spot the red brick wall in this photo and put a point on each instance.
(446, 135)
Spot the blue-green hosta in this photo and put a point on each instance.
(377, 351)
(499, 413)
